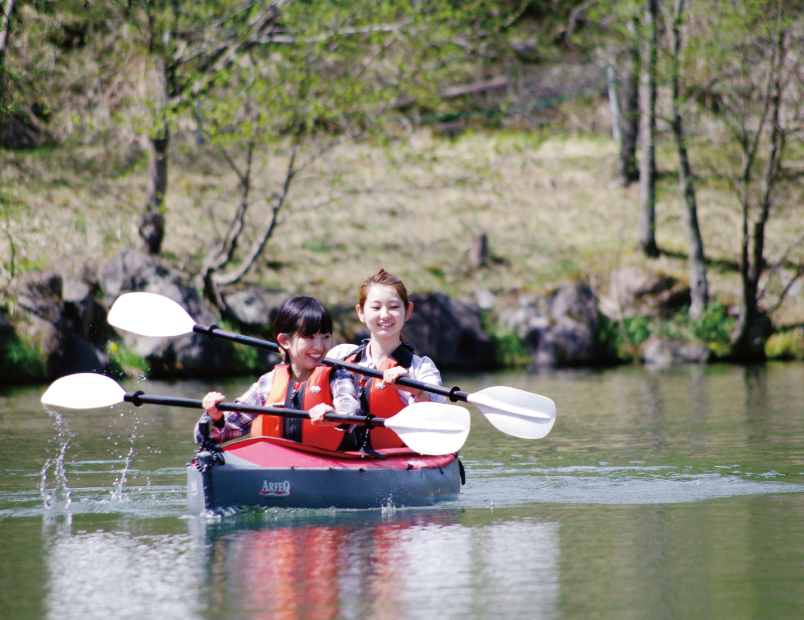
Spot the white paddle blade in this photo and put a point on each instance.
(83, 391)
(431, 428)
(516, 412)
(148, 314)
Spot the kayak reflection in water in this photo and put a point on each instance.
(384, 307)
(303, 330)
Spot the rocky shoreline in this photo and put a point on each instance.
(57, 325)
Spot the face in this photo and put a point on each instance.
(384, 312)
(305, 352)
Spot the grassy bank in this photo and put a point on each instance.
(544, 199)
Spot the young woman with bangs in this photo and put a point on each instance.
(303, 330)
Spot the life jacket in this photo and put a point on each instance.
(377, 399)
(308, 394)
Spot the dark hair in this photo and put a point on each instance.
(302, 315)
(383, 278)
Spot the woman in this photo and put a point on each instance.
(384, 307)
(303, 331)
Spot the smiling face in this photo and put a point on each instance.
(384, 312)
(304, 353)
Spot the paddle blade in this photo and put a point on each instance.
(148, 314)
(516, 412)
(83, 391)
(431, 428)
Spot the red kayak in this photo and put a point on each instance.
(273, 472)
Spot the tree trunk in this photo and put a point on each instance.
(152, 224)
(5, 29)
(647, 164)
(699, 290)
(753, 327)
(627, 171)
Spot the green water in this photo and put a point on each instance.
(658, 494)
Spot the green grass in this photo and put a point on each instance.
(545, 200)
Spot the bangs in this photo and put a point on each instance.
(304, 316)
(312, 322)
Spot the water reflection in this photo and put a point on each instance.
(116, 574)
(414, 566)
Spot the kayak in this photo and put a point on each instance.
(271, 472)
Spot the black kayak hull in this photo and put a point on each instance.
(281, 476)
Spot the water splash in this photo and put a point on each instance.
(59, 497)
(122, 478)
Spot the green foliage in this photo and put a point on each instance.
(622, 340)
(125, 362)
(21, 361)
(243, 360)
(786, 345)
(619, 341)
(509, 349)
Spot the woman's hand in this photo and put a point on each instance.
(317, 415)
(390, 376)
(210, 404)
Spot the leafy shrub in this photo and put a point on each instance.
(786, 345)
(621, 340)
(21, 362)
(509, 348)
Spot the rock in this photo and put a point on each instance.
(190, 355)
(557, 330)
(38, 319)
(78, 355)
(449, 332)
(485, 299)
(253, 308)
(639, 291)
(79, 306)
(669, 352)
(44, 322)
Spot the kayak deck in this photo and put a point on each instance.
(272, 472)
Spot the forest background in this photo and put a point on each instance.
(481, 149)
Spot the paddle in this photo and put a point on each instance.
(427, 428)
(515, 412)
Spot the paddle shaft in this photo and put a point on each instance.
(138, 398)
(213, 331)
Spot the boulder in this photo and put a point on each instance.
(640, 291)
(670, 352)
(253, 308)
(558, 329)
(449, 332)
(38, 318)
(183, 356)
(56, 329)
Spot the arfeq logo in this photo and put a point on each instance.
(280, 489)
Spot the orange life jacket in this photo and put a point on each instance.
(314, 391)
(380, 400)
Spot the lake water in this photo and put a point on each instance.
(658, 494)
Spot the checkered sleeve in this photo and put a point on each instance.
(235, 424)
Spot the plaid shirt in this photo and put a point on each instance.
(234, 424)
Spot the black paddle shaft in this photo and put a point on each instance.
(452, 393)
(213, 331)
(138, 398)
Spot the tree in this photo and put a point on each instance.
(189, 44)
(646, 232)
(6, 12)
(757, 82)
(330, 77)
(696, 263)
(627, 171)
